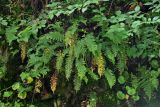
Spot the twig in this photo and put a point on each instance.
(6, 88)
(110, 7)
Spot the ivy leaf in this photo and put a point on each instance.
(29, 80)
(130, 90)
(16, 86)
(24, 75)
(120, 95)
(121, 80)
(110, 77)
(135, 97)
(7, 93)
(22, 95)
(17, 104)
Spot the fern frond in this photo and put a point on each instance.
(80, 48)
(23, 48)
(81, 68)
(49, 37)
(110, 77)
(122, 60)
(101, 65)
(77, 83)
(53, 82)
(148, 89)
(38, 85)
(91, 44)
(92, 74)
(59, 60)
(57, 36)
(70, 36)
(69, 63)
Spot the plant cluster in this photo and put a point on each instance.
(86, 53)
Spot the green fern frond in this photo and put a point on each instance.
(81, 68)
(92, 74)
(69, 63)
(91, 44)
(80, 48)
(57, 36)
(77, 83)
(59, 61)
(122, 60)
(148, 90)
(117, 33)
(110, 77)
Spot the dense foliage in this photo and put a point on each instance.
(79, 53)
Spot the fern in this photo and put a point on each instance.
(23, 48)
(77, 83)
(59, 61)
(122, 60)
(91, 44)
(11, 34)
(80, 48)
(93, 100)
(54, 36)
(110, 77)
(148, 90)
(81, 68)
(117, 33)
(101, 65)
(70, 36)
(53, 82)
(92, 74)
(69, 63)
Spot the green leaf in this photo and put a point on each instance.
(137, 8)
(120, 95)
(155, 83)
(121, 80)
(148, 90)
(91, 44)
(135, 97)
(16, 86)
(25, 34)
(117, 33)
(81, 69)
(93, 75)
(93, 99)
(7, 93)
(24, 75)
(17, 104)
(154, 64)
(77, 83)
(59, 61)
(22, 95)
(130, 91)
(69, 64)
(111, 56)
(110, 77)
(11, 34)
